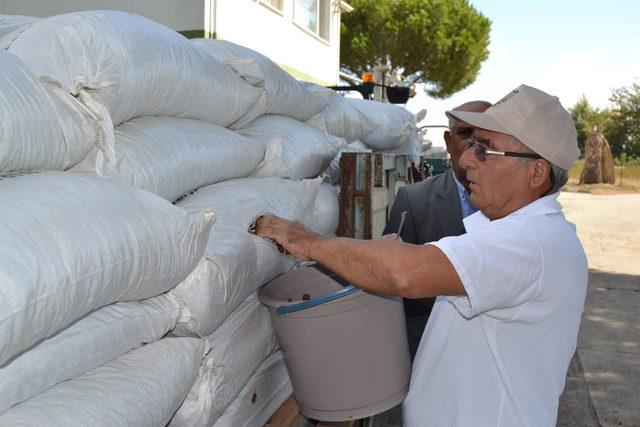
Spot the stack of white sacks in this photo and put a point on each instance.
(132, 162)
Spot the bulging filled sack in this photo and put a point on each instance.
(237, 262)
(90, 342)
(142, 388)
(326, 211)
(394, 125)
(14, 23)
(171, 157)
(238, 348)
(283, 94)
(412, 147)
(342, 119)
(133, 67)
(72, 243)
(293, 149)
(38, 128)
(261, 397)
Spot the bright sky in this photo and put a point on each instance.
(564, 47)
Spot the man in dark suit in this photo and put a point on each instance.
(435, 209)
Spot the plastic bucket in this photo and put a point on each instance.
(347, 355)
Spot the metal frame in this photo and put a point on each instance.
(368, 185)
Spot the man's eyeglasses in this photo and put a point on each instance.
(482, 152)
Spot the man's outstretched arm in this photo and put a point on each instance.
(383, 266)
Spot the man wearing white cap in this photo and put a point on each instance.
(510, 291)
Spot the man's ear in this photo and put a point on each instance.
(540, 173)
(447, 137)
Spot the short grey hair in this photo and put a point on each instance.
(557, 175)
(559, 178)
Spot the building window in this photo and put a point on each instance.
(313, 15)
(272, 4)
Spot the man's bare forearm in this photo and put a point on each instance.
(384, 266)
(365, 263)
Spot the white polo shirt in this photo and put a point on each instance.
(499, 356)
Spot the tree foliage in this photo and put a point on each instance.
(438, 42)
(623, 131)
(620, 122)
(586, 118)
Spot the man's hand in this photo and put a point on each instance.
(292, 236)
(392, 236)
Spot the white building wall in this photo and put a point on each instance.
(275, 35)
(181, 15)
(246, 22)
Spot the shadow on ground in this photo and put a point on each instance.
(603, 382)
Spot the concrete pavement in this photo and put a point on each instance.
(603, 382)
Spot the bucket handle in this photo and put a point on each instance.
(287, 309)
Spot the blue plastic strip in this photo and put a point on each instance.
(286, 309)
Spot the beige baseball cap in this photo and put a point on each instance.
(536, 118)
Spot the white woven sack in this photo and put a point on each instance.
(142, 388)
(342, 119)
(261, 397)
(134, 67)
(38, 128)
(394, 124)
(72, 243)
(237, 263)
(293, 149)
(284, 95)
(326, 211)
(15, 23)
(171, 157)
(238, 347)
(412, 147)
(90, 342)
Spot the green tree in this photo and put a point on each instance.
(586, 118)
(441, 43)
(623, 131)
